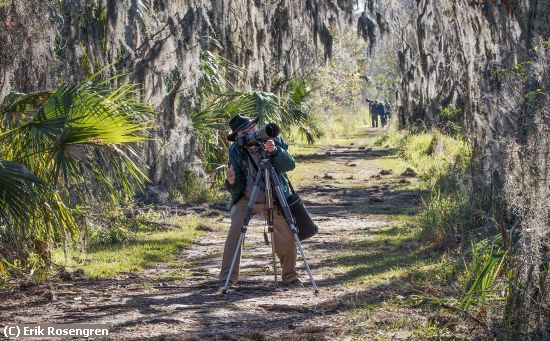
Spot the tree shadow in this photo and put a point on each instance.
(347, 200)
(370, 264)
(345, 153)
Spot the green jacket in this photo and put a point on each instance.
(282, 162)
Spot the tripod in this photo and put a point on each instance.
(268, 176)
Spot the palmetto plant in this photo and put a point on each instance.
(488, 265)
(32, 216)
(57, 148)
(220, 100)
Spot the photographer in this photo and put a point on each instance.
(240, 177)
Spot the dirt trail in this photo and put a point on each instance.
(138, 306)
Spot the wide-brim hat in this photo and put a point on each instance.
(240, 122)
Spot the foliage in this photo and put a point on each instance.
(443, 216)
(437, 158)
(63, 147)
(450, 213)
(448, 120)
(296, 96)
(219, 100)
(32, 215)
(339, 82)
(112, 235)
(80, 137)
(482, 273)
(191, 190)
(136, 247)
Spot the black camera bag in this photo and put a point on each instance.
(304, 223)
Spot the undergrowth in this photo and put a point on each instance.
(442, 162)
(452, 217)
(191, 189)
(131, 243)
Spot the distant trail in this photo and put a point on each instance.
(138, 306)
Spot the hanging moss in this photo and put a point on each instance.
(171, 79)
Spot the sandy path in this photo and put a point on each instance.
(138, 307)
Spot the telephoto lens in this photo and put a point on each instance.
(266, 132)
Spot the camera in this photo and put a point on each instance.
(252, 138)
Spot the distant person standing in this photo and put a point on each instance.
(385, 117)
(373, 113)
(381, 112)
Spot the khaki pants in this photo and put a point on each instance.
(285, 248)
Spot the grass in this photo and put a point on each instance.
(402, 257)
(432, 154)
(174, 275)
(345, 127)
(394, 163)
(341, 128)
(385, 255)
(441, 161)
(143, 249)
(396, 260)
(319, 159)
(193, 190)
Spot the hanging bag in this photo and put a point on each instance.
(304, 223)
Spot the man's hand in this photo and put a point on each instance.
(269, 145)
(230, 175)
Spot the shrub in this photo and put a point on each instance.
(112, 235)
(74, 144)
(193, 190)
(433, 154)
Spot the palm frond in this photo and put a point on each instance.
(17, 108)
(219, 101)
(84, 130)
(31, 215)
(487, 265)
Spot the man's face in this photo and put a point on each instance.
(245, 131)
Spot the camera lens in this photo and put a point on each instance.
(272, 130)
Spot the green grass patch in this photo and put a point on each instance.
(392, 260)
(174, 275)
(340, 127)
(396, 164)
(384, 254)
(142, 249)
(193, 190)
(311, 171)
(433, 155)
(441, 161)
(344, 125)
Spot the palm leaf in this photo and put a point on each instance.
(219, 101)
(486, 267)
(31, 215)
(17, 107)
(84, 130)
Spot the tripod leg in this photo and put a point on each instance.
(273, 257)
(269, 219)
(247, 218)
(290, 221)
(274, 260)
(297, 240)
(235, 255)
